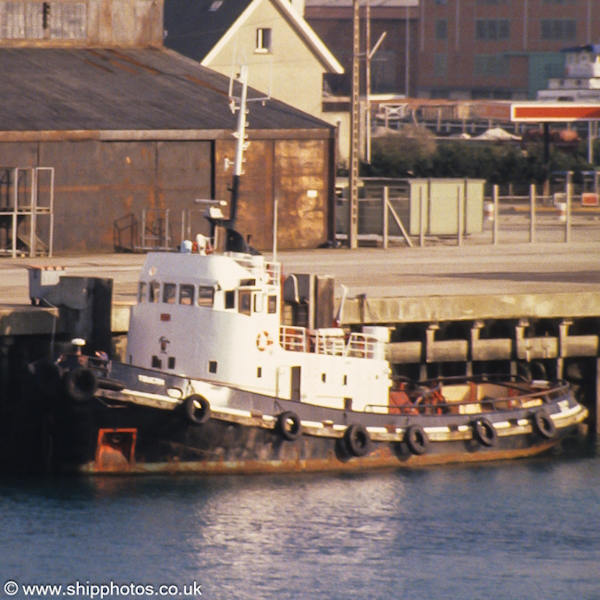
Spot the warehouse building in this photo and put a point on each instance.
(133, 130)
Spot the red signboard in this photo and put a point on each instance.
(558, 112)
(589, 199)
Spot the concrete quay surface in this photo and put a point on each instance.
(399, 272)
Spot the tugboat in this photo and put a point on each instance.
(213, 382)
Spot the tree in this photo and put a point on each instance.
(415, 152)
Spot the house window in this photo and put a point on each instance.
(440, 65)
(492, 29)
(491, 65)
(558, 29)
(441, 29)
(263, 40)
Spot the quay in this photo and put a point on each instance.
(531, 309)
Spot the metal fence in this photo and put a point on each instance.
(561, 217)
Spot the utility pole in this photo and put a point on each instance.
(354, 134)
(406, 52)
(368, 81)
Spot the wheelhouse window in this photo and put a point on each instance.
(272, 305)
(169, 293)
(206, 295)
(154, 291)
(263, 40)
(143, 292)
(186, 294)
(230, 299)
(259, 302)
(245, 303)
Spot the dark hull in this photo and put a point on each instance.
(108, 433)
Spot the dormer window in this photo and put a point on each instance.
(263, 40)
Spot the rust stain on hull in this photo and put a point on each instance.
(381, 458)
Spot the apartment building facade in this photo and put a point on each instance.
(498, 49)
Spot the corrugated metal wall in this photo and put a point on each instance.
(296, 172)
(99, 182)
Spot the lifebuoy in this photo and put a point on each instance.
(416, 439)
(288, 425)
(263, 340)
(544, 424)
(80, 385)
(196, 409)
(485, 432)
(357, 440)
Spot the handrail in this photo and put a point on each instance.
(292, 338)
(356, 345)
(545, 396)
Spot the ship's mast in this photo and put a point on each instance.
(240, 106)
(234, 241)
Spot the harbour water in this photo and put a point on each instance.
(522, 530)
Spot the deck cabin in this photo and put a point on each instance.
(217, 317)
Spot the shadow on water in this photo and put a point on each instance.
(524, 529)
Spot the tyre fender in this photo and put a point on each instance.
(417, 440)
(288, 426)
(484, 432)
(196, 409)
(543, 424)
(357, 440)
(80, 384)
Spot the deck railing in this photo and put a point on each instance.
(293, 339)
(332, 342)
(427, 397)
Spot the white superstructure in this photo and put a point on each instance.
(217, 318)
(582, 77)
